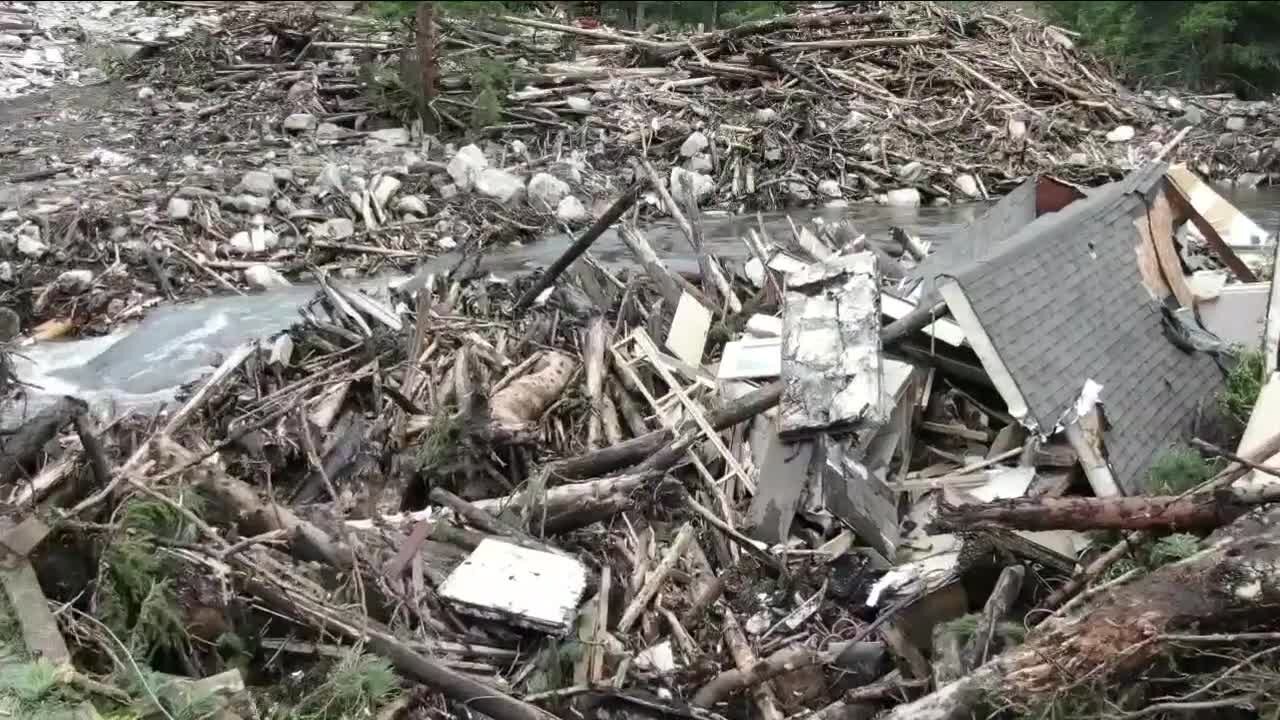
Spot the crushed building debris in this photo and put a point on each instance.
(849, 475)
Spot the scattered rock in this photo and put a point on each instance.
(701, 185)
(412, 204)
(1191, 117)
(968, 185)
(329, 131)
(1123, 133)
(1250, 180)
(911, 171)
(246, 203)
(1227, 140)
(258, 182)
(765, 115)
(579, 103)
(903, 197)
(572, 211)
(262, 277)
(941, 202)
(694, 144)
(798, 191)
(466, 166)
(74, 282)
(303, 122)
(10, 324)
(30, 246)
(6, 272)
(1174, 103)
(390, 136)
(1235, 123)
(499, 185)
(281, 174)
(383, 188)
(336, 229)
(179, 208)
(699, 163)
(1017, 129)
(830, 188)
(257, 240)
(146, 94)
(546, 191)
(447, 243)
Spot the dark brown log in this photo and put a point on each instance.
(1202, 511)
(631, 452)
(428, 67)
(610, 216)
(20, 450)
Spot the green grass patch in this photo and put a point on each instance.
(1244, 384)
(1177, 470)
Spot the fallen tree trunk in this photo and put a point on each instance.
(636, 450)
(20, 450)
(1122, 630)
(1200, 511)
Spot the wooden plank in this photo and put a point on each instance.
(783, 477)
(39, 627)
(1157, 225)
(854, 495)
(1218, 221)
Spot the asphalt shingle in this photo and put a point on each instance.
(1063, 302)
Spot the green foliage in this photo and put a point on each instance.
(35, 690)
(357, 686)
(135, 593)
(176, 695)
(1177, 470)
(1202, 43)
(1244, 384)
(1172, 548)
(964, 627)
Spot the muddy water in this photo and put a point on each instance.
(141, 366)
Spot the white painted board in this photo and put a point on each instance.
(751, 358)
(531, 588)
(689, 327)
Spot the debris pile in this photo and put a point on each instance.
(841, 479)
(254, 145)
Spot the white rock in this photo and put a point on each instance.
(499, 185)
(798, 191)
(329, 131)
(694, 144)
(261, 277)
(146, 94)
(258, 182)
(1017, 129)
(903, 197)
(1123, 133)
(579, 103)
(572, 211)
(241, 243)
(247, 203)
(447, 243)
(179, 208)
(301, 122)
(699, 163)
(74, 282)
(336, 229)
(383, 188)
(701, 185)
(546, 191)
(6, 272)
(518, 147)
(830, 188)
(466, 166)
(257, 240)
(1235, 123)
(412, 204)
(968, 185)
(390, 136)
(764, 115)
(837, 203)
(31, 246)
(1174, 103)
(911, 170)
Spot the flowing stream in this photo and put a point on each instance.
(142, 365)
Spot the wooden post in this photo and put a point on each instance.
(428, 68)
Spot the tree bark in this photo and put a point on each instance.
(1201, 511)
(1119, 632)
(20, 450)
(428, 64)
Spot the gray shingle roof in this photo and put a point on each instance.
(1062, 302)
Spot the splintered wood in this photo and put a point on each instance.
(831, 344)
